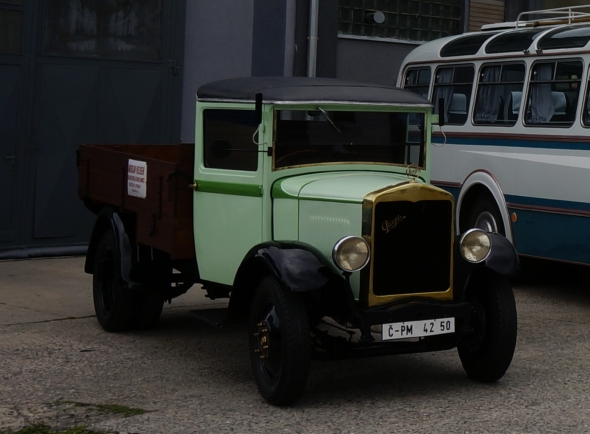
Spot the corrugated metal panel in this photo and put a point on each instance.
(485, 12)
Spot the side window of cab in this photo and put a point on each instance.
(228, 139)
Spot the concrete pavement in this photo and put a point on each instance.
(49, 289)
(35, 290)
(57, 366)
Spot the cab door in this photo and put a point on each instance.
(228, 203)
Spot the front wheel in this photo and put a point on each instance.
(113, 304)
(485, 215)
(279, 342)
(487, 355)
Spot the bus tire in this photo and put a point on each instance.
(484, 214)
(113, 304)
(487, 354)
(279, 342)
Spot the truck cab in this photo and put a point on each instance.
(312, 212)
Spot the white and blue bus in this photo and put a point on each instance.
(515, 145)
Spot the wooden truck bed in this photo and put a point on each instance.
(150, 181)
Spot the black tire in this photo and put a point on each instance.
(279, 342)
(487, 355)
(153, 269)
(113, 304)
(148, 308)
(484, 214)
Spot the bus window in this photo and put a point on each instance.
(465, 45)
(553, 93)
(453, 85)
(586, 112)
(498, 94)
(508, 42)
(567, 37)
(418, 81)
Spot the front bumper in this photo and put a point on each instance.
(370, 343)
(418, 309)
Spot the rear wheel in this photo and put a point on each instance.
(148, 308)
(279, 342)
(153, 269)
(113, 303)
(487, 355)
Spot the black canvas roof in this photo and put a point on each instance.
(302, 89)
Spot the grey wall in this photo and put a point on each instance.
(372, 61)
(218, 45)
(225, 38)
(268, 45)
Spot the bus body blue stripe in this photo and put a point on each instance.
(548, 205)
(514, 143)
(555, 236)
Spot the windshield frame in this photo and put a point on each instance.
(329, 114)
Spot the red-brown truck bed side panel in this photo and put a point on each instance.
(165, 215)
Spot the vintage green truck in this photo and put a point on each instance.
(307, 203)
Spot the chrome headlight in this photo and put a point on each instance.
(475, 245)
(351, 253)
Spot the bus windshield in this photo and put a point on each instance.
(321, 136)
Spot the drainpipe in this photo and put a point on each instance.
(312, 45)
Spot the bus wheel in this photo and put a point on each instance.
(279, 342)
(487, 354)
(113, 303)
(484, 214)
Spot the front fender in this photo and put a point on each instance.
(107, 219)
(503, 258)
(297, 265)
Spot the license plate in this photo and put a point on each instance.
(416, 329)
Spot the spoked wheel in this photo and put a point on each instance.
(113, 304)
(487, 355)
(279, 342)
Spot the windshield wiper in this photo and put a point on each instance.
(328, 119)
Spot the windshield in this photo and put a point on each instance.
(322, 136)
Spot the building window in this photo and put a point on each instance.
(129, 30)
(413, 20)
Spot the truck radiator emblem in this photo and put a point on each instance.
(389, 225)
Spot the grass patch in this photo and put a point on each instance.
(44, 429)
(110, 408)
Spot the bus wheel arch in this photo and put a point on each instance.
(481, 197)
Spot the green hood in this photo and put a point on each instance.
(349, 187)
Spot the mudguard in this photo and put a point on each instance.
(503, 258)
(106, 219)
(297, 265)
